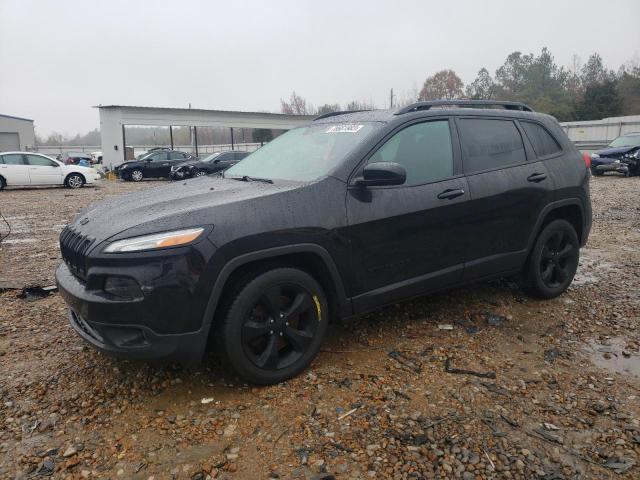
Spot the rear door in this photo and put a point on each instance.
(14, 169)
(509, 187)
(407, 239)
(43, 171)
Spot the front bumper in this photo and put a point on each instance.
(91, 314)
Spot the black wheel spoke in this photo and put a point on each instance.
(269, 357)
(556, 240)
(547, 272)
(252, 330)
(301, 304)
(299, 339)
(271, 301)
(561, 273)
(547, 254)
(566, 251)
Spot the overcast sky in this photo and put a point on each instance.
(59, 58)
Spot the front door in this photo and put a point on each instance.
(157, 165)
(408, 239)
(43, 171)
(508, 187)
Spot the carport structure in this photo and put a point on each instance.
(114, 119)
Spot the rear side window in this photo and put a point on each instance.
(423, 149)
(12, 159)
(489, 144)
(541, 140)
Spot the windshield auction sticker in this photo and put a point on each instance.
(344, 129)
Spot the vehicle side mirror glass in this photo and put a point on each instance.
(382, 173)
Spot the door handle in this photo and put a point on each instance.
(537, 177)
(450, 193)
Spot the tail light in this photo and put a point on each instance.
(587, 159)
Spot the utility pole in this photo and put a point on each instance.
(391, 99)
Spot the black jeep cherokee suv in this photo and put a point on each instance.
(351, 212)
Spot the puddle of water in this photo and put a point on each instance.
(609, 356)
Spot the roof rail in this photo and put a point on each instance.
(333, 114)
(415, 107)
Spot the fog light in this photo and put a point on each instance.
(122, 287)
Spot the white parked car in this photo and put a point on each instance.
(28, 168)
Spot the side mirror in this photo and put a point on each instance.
(382, 173)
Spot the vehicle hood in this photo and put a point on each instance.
(175, 206)
(614, 152)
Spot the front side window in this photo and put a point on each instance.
(36, 160)
(541, 140)
(176, 156)
(304, 154)
(488, 144)
(158, 157)
(424, 150)
(13, 159)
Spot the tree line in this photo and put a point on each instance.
(586, 91)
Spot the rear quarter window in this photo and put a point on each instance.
(488, 144)
(542, 141)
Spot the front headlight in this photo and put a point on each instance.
(122, 167)
(595, 155)
(155, 241)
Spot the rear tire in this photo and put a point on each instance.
(3, 183)
(200, 173)
(75, 180)
(273, 325)
(596, 173)
(553, 260)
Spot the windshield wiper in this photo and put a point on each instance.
(247, 178)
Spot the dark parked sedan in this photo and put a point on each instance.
(214, 163)
(153, 164)
(622, 155)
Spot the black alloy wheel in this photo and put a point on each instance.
(280, 327)
(553, 261)
(273, 326)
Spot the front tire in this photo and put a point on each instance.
(200, 173)
(136, 175)
(596, 173)
(75, 180)
(2, 183)
(553, 261)
(273, 326)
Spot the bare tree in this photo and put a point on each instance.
(443, 85)
(296, 105)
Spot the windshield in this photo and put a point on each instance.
(626, 141)
(304, 153)
(212, 157)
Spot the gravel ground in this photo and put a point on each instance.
(551, 388)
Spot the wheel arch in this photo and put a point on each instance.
(310, 258)
(570, 210)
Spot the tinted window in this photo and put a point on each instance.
(241, 155)
(37, 160)
(158, 157)
(176, 156)
(13, 159)
(424, 150)
(489, 144)
(541, 140)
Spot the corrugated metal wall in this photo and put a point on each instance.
(595, 134)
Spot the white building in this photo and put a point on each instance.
(16, 133)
